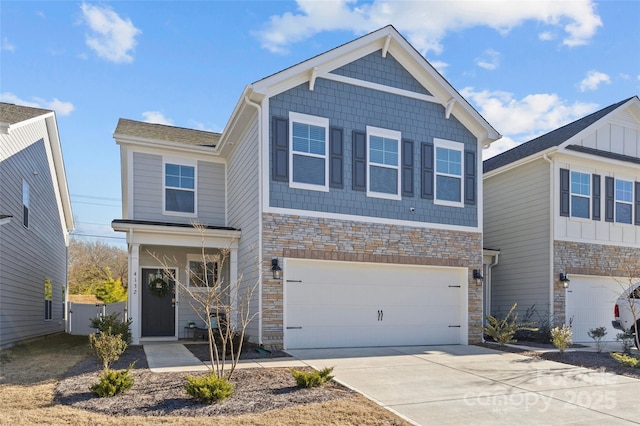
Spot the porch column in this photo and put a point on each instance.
(235, 285)
(134, 292)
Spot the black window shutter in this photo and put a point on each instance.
(637, 204)
(565, 193)
(280, 148)
(336, 158)
(359, 161)
(426, 171)
(470, 177)
(407, 168)
(595, 200)
(609, 200)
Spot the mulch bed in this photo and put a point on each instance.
(162, 394)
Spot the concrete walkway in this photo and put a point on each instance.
(471, 385)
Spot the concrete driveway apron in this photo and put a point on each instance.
(457, 385)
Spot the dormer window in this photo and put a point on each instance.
(179, 188)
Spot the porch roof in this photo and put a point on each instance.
(177, 234)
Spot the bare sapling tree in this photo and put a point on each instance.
(220, 303)
(632, 296)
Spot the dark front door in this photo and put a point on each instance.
(158, 304)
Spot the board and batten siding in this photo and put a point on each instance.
(243, 169)
(29, 255)
(148, 185)
(517, 222)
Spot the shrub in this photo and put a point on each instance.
(113, 382)
(627, 338)
(597, 334)
(627, 360)
(312, 379)
(111, 324)
(111, 291)
(107, 348)
(209, 389)
(562, 337)
(504, 330)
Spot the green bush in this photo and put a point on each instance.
(111, 324)
(562, 337)
(209, 389)
(627, 338)
(597, 334)
(107, 348)
(312, 379)
(504, 330)
(113, 382)
(627, 360)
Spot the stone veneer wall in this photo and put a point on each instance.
(287, 236)
(589, 259)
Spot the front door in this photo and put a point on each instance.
(158, 304)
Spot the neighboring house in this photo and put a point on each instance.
(567, 202)
(356, 172)
(35, 219)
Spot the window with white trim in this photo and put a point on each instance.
(199, 276)
(308, 139)
(624, 201)
(25, 204)
(580, 194)
(179, 188)
(383, 147)
(448, 171)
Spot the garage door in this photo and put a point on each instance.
(349, 304)
(590, 301)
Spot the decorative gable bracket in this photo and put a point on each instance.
(385, 49)
(449, 107)
(312, 78)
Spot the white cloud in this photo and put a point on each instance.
(8, 46)
(60, 107)
(523, 119)
(111, 37)
(156, 117)
(425, 23)
(593, 80)
(546, 36)
(489, 61)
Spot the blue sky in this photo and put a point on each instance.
(527, 67)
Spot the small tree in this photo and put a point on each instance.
(504, 330)
(111, 291)
(562, 338)
(107, 348)
(597, 334)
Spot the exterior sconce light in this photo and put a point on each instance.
(564, 279)
(276, 269)
(477, 275)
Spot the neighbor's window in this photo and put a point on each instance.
(48, 299)
(580, 194)
(179, 188)
(308, 159)
(383, 147)
(25, 204)
(624, 201)
(199, 276)
(448, 173)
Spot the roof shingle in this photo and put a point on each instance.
(12, 114)
(166, 133)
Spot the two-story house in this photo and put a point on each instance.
(35, 221)
(354, 174)
(567, 202)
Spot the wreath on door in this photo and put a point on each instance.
(159, 287)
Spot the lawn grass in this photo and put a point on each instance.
(29, 374)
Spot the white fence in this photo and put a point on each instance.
(80, 314)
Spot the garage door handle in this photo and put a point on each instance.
(380, 314)
(294, 328)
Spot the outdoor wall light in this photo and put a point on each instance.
(276, 269)
(564, 279)
(477, 275)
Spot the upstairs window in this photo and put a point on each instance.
(383, 147)
(179, 189)
(25, 204)
(308, 159)
(449, 183)
(580, 194)
(624, 201)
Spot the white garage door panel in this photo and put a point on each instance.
(590, 302)
(343, 304)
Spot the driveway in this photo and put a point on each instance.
(457, 385)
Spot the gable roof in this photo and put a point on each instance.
(386, 40)
(552, 139)
(11, 114)
(165, 133)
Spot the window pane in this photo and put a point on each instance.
(300, 144)
(173, 181)
(308, 170)
(580, 206)
(179, 176)
(624, 191)
(187, 171)
(384, 180)
(316, 133)
(623, 213)
(187, 182)
(448, 188)
(300, 130)
(316, 147)
(383, 151)
(179, 201)
(580, 183)
(172, 169)
(448, 161)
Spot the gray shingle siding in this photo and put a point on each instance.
(353, 108)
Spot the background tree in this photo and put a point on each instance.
(92, 263)
(111, 291)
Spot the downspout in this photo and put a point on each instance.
(259, 108)
(551, 234)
